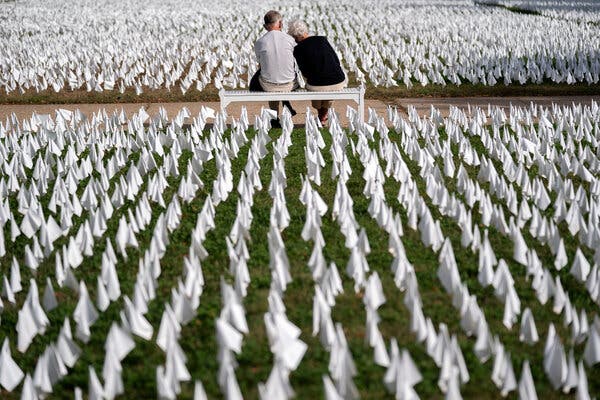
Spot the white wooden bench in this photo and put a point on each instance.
(356, 94)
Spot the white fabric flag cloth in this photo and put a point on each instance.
(67, 348)
(526, 384)
(85, 314)
(10, 373)
(591, 353)
(199, 392)
(32, 320)
(402, 373)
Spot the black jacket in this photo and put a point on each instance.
(318, 62)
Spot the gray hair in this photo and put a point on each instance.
(272, 17)
(298, 28)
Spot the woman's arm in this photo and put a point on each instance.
(302, 62)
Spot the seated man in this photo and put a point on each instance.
(275, 53)
(319, 64)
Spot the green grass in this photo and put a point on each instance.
(255, 361)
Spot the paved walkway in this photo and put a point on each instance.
(423, 106)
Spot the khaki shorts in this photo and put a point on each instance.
(328, 88)
(325, 103)
(277, 87)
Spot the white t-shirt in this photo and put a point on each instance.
(275, 53)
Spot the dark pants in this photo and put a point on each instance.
(256, 87)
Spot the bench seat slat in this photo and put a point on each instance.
(344, 90)
(355, 94)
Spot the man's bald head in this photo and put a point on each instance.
(273, 20)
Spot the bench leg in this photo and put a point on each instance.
(361, 110)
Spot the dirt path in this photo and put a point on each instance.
(423, 106)
(25, 111)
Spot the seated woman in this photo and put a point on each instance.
(319, 64)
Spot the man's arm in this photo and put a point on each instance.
(257, 52)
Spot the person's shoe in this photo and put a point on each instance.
(288, 105)
(322, 113)
(275, 123)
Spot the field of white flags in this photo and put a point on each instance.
(183, 45)
(401, 258)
